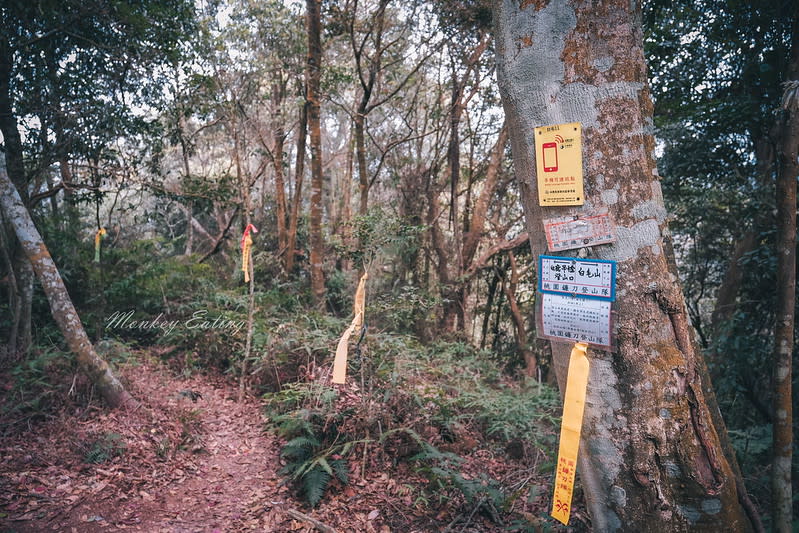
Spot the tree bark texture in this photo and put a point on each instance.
(651, 458)
(313, 76)
(20, 336)
(61, 306)
(787, 174)
(519, 329)
(278, 139)
(471, 238)
(296, 199)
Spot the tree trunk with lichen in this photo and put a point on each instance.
(61, 306)
(652, 450)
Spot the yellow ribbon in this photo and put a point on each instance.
(571, 425)
(245, 257)
(97, 238)
(359, 307)
(246, 245)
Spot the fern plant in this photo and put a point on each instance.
(315, 453)
(442, 470)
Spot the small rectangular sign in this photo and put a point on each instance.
(578, 231)
(559, 164)
(572, 319)
(586, 278)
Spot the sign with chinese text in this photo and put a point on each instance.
(566, 233)
(574, 319)
(559, 164)
(587, 278)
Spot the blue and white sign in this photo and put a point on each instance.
(585, 278)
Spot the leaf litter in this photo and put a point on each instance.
(192, 458)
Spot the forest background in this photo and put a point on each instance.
(173, 125)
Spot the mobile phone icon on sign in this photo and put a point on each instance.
(550, 157)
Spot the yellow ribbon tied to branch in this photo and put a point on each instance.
(570, 428)
(246, 246)
(97, 238)
(340, 362)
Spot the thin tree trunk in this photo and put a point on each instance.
(489, 306)
(219, 239)
(477, 224)
(727, 294)
(72, 214)
(279, 137)
(61, 306)
(787, 173)
(20, 336)
(360, 156)
(530, 363)
(188, 210)
(449, 311)
(24, 274)
(651, 457)
(14, 301)
(296, 200)
(313, 75)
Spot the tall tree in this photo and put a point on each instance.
(62, 62)
(313, 76)
(652, 454)
(722, 189)
(63, 311)
(787, 174)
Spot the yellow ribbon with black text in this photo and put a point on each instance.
(246, 246)
(359, 307)
(570, 428)
(97, 238)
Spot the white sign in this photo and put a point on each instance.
(572, 319)
(567, 233)
(580, 277)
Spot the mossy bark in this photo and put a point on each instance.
(61, 306)
(651, 458)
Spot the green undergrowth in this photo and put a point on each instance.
(407, 405)
(428, 413)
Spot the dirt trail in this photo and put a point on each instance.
(194, 460)
(226, 489)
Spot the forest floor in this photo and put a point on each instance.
(191, 458)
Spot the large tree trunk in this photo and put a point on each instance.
(313, 76)
(651, 457)
(61, 306)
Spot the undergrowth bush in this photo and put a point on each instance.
(40, 385)
(407, 403)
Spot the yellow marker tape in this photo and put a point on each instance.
(97, 238)
(340, 362)
(573, 406)
(245, 257)
(246, 245)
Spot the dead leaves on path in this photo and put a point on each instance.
(197, 463)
